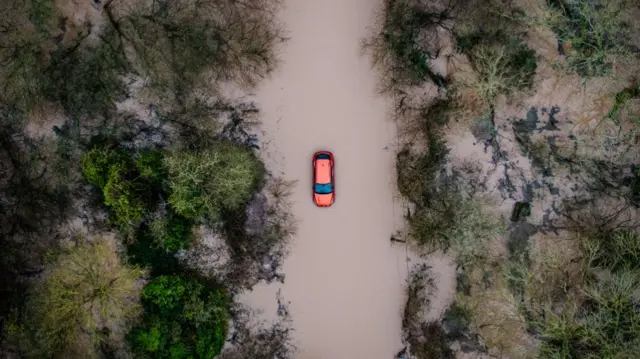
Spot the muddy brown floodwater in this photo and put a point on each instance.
(343, 278)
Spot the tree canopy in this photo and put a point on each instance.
(204, 183)
(183, 319)
(80, 303)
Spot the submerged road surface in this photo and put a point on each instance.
(344, 280)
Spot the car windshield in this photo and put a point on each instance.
(323, 188)
(323, 156)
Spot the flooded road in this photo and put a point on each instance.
(343, 278)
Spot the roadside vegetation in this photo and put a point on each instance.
(557, 280)
(118, 153)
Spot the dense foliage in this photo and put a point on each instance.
(524, 299)
(68, 66)
(407, 41)
(591, 33)
(84, 297)
(205, 183)
(32, 197)
(183, 319)
(503, 64)
(177, 46)
(599, 316)
(125, 192)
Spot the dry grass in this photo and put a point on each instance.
(552, 276)
(494, 313)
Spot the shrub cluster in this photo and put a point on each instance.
(445, 216)
(204, 183)
(401, 32)
(116, 173)
(183, 319)
(590, 33)
(596, 316)
(502, 64)
(426, 339)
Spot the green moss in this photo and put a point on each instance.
(42, 14)
(622, 97)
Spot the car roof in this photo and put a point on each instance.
(323, 171)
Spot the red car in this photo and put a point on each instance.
(324, 191)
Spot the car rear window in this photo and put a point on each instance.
(323, 188)
(323, 156)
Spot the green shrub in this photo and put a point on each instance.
(418, 174)
(171, 233)
(99, 162)
(150, 165)
(220, 177)
(402, 40)
(183, 319)
(42, 14)
(401, 31)
(21, 76)
(621, 97)
(38, 62)
(181, 44)
(145, 252)
(585, 304)
(113, 171)
(121, 196)
(27, 32)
